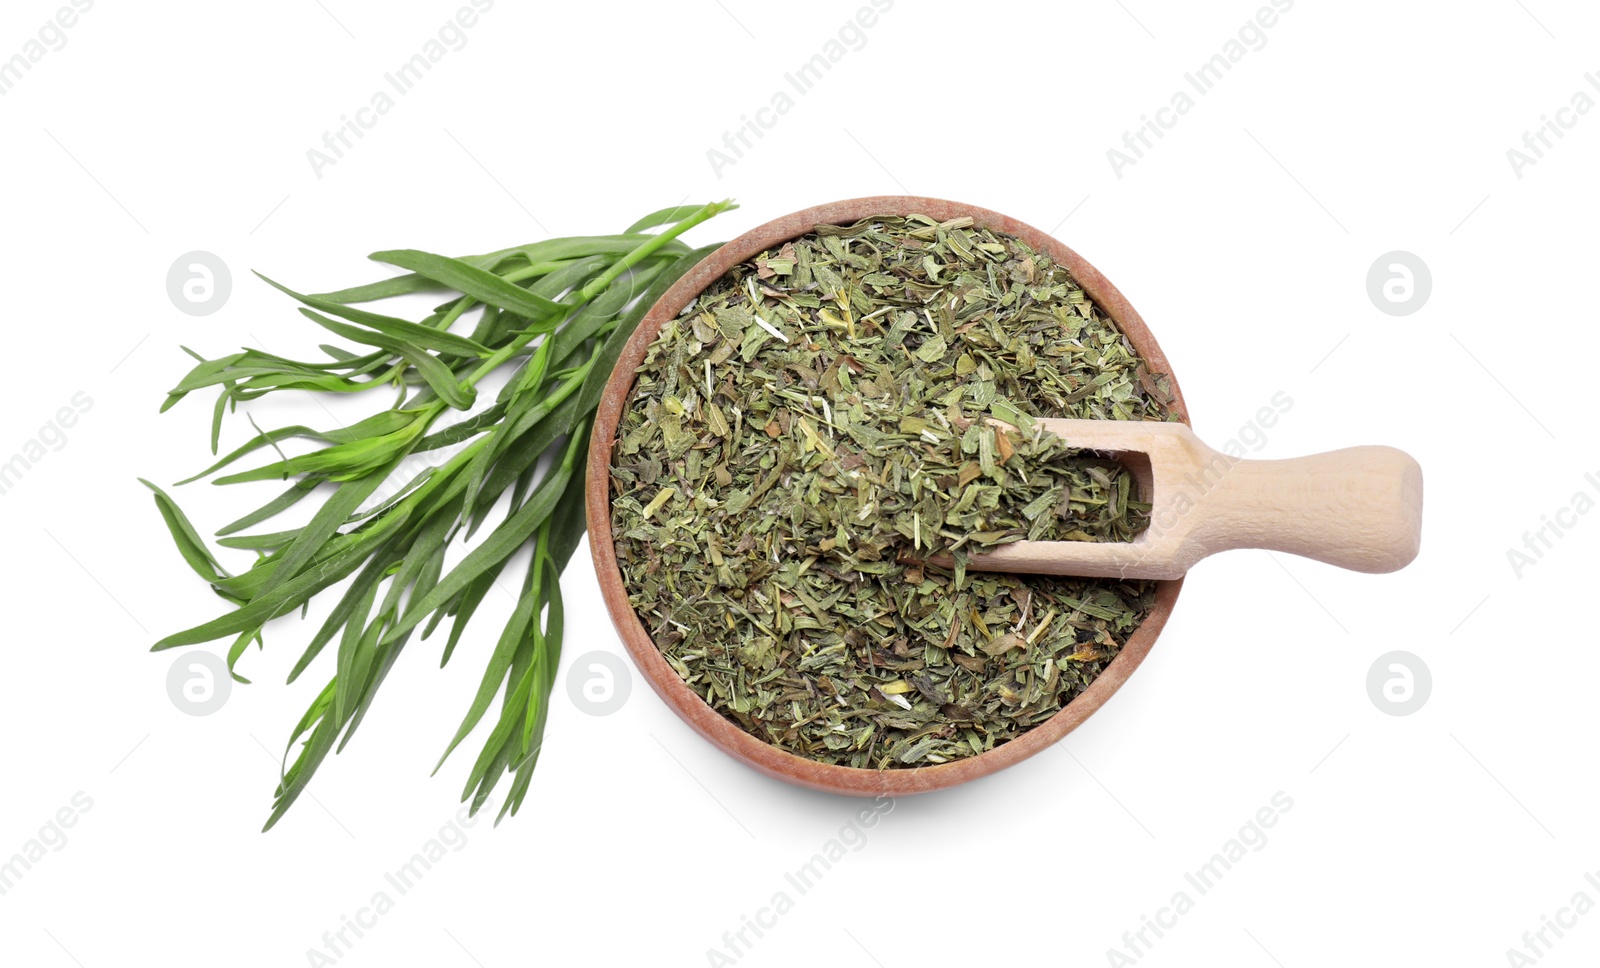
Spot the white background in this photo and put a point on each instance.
(1244, 238)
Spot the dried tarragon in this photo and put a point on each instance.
(814, 426)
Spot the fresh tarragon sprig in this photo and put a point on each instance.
(555, 314)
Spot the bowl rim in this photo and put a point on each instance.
(683, 700)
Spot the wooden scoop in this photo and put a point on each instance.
(1358, 508)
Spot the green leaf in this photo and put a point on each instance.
(400, 329)
(323, 730)
(606, 360)
(354, 650)
(296, 493)
(369, 578)
(190, 545)
(583, 296)
(325, 522)
(286, 597)
(384, 422)
(237, 650)
(438, 376)
(523, 453)
(340, 460)
(547, 655)
(550, 251)
(466, 604)
(664, 216)
(506, 539)
(480, 284)
(464, 430)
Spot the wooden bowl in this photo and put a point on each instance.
(734, 741)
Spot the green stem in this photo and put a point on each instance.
(600, 282)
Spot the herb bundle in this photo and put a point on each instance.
(553, 315)
(812, 428)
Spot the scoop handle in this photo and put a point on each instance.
(1358, 508)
